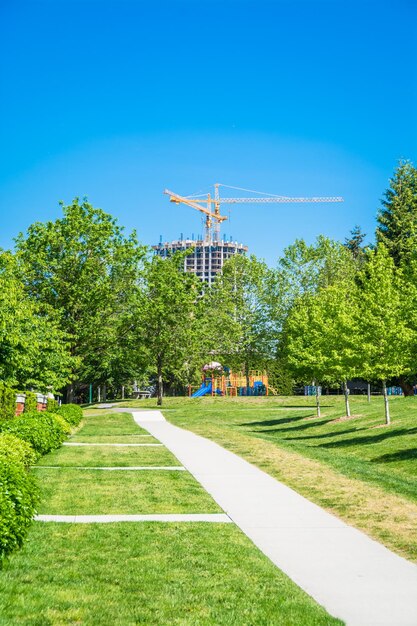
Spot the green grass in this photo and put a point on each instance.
(69, 491)
(110, 425)
(116, 438)
(108, 457)
(357, 468)
(151, 574)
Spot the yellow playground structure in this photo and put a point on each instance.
(221, 381)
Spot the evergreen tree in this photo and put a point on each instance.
(397, 219)
(354, 243)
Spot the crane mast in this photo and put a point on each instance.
(210, 206)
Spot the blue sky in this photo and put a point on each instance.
(118, 100)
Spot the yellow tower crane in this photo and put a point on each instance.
(210, 205)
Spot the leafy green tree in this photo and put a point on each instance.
(34, 351)
(383, 317)
(84, 268)
(397, 219)
(321, 337)
(165, 318)
(241, 306)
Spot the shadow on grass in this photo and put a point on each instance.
(400, 455)
(370, 439)
(297, 428)
(284, 420)
(322, 436)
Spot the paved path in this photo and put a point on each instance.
(355, 578)
(108, 519)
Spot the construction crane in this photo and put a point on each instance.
(210, 205)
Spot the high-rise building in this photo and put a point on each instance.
(207, 258)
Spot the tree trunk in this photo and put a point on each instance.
(384, 391)
(407, 387)
(346, 390)
(123, 392)
(70, 393)
(104, 392)
(99, 394)
(369, 392)
(318, 401)
(160, 385)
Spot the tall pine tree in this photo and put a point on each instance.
(397, 219)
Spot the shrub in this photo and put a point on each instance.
(66, 427)
(41, 430)
(31, 402)
(18, 492)
(7, 401)
(52, 405)
(71, 412)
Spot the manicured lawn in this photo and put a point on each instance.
(69, 491)
(359, 469)
(151, 574)
(108, 456)
(110, 424)
(80, 437)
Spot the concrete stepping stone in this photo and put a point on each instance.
(108, 519)
(174, 468)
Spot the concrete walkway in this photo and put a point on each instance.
(216, 518)
(355, 578)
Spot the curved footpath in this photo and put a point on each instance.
(355, 578)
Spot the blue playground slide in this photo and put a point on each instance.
(202, 391)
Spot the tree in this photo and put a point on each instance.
(355, 243)
(165, 317)
(321, 337)
(386, 338)
(240, 302)
(34, 352)
(84, 268)
(397, 219)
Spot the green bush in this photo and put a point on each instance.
(31, 402)
(18, 492)
(52, 405)
(7, 402)
(71, 412)
(66, 427)
(41, 430)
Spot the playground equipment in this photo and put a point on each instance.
(221, 381)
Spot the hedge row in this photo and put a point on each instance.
(23, 440)
(71, 412)
(18, 492)
(41, 430)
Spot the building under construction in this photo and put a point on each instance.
(207, 258)
(210, 253)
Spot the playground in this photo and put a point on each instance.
(218, 380)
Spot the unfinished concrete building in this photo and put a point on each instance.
(207, 258)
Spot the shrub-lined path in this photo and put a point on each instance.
(352, 576)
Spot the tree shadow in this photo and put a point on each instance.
(296, 428)
(322, 436)
(400, 455)
(284, 420)
(370, 439)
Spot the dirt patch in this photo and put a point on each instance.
(345, 418)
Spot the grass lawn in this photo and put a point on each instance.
(108, 457)
(69, 491)
(151, 574)
(109, 425)
(358, 469)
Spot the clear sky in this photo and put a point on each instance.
(116, 100)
